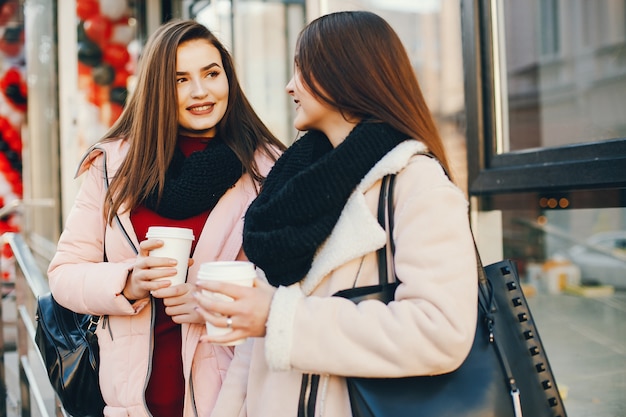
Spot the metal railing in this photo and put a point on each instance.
(33, 383)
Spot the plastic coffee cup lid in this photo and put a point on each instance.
(227, 270)
(175, 232)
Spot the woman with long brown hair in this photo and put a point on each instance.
(313, 231)
(188, 151)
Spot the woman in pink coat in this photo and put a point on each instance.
(313, 231)
(188, 151)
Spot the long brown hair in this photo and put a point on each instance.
(149, 121)
(355, 62)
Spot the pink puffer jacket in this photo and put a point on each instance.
(81, 281)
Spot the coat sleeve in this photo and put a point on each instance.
(428, 329)
(78, 276)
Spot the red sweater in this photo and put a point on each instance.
(166, 388)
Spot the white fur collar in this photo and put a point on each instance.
(357, 231)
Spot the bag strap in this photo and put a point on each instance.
(385, 218)
(117, 218)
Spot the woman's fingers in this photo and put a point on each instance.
(216, 306)
(248, 309)
(227, 322)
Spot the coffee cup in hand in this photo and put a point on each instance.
(232, 272)
(176, 244)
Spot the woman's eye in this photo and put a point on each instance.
(180, 80)
(212, 74)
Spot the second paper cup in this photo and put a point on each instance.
(233, 272)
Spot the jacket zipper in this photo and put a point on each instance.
(192, 394)
(305, 391)
(150, 351)
(308, 395)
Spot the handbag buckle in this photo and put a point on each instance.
(93, 321)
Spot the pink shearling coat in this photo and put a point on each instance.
(428, 329)
(81, 281)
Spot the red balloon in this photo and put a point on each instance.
(84, 69)
(121, 78)
(13, 138)
(7, 11)
(12, 177)
(87, 8)
(18, 189)
(116, 55)
(98, 94)
(98, 29)
(115, 112)
(6, 251)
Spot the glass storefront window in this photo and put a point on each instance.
(546, 84)
(261, 37)
(563, 71)
(590, 242)
(573, 264)
(431, 33)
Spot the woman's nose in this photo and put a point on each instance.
(289, 87)
(198, 89)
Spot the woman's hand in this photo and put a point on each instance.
(142, 280)
(180, 303)
(247, 313)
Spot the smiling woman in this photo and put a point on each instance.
(188, 151)
(202, 88)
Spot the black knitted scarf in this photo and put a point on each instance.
(195, 184)
(304, 194)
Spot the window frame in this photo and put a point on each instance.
(593, 167)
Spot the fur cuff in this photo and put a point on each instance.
(279, 335)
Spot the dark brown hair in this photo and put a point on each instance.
(150, 120)
(355, 62)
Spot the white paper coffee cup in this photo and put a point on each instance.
(233, 272)
(176, 244)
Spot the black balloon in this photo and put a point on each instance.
(89, 53)
(80, 32)
(13, 34)
(103, 74)
(118, 95)
(13, 156)
(13, 93)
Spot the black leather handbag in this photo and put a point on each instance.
(506, 373)
(69, 349)
(68, 346)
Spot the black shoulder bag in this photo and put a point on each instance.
(506, 373)
(68, 346)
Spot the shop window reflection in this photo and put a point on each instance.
(565, 71)
(590, 243)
